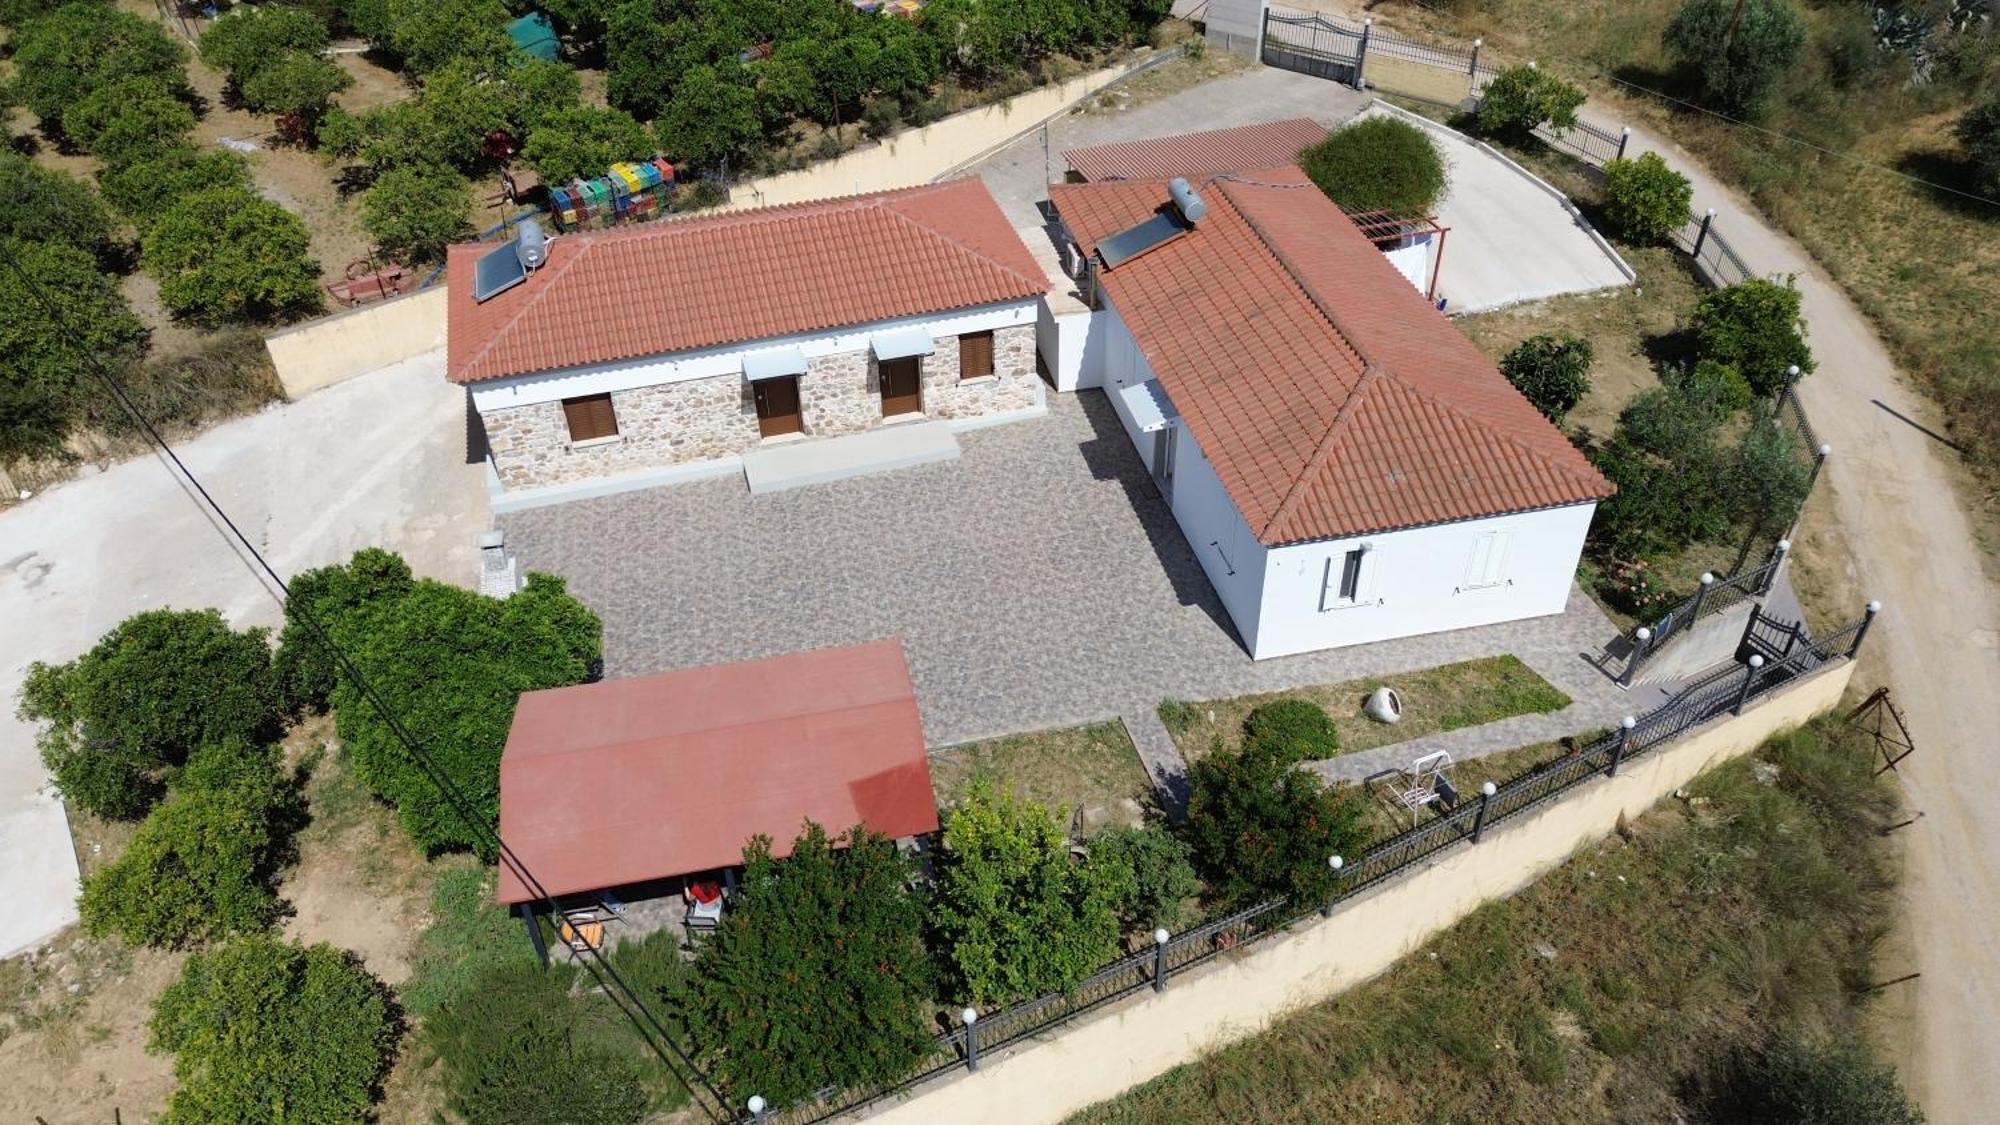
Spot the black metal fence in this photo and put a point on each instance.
(1726, 690)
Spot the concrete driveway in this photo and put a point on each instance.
(379, 460)
(1035, 581)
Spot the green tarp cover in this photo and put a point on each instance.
(533, 34)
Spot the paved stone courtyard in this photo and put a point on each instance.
(1036, 581)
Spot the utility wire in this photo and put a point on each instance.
(596, 964)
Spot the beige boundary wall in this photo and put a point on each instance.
(323, 352)
(917, 156)
(1097, 1058)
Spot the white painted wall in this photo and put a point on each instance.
(1228, 552)
(1421, 580)
(551, 386)
(1072, 344)
(1412, 258)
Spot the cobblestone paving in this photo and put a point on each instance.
(1036, 581)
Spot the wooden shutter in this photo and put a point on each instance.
(590, 417)
(975, 355)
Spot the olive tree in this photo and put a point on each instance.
(265, 1031)
(1735, 52)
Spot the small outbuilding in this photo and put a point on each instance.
(641, 785)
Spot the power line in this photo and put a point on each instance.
(1803, 143)
(599, 967)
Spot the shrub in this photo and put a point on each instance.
(44, 391)
(1260, 827)
(580, 142)
(65, 56)
(1978, 131)
(512, 1048)
(267, 1031)
(1298, 727)
(1553, 372)
(1645, 201)
(1719, 382)
(414, 212)
(451, 663)
(1159, 876)
(128, 118)
(1378, 164)
(144, 183)
(1755, 327)
(305, 669)
(1520, 98)
(1014, 915)
(1734, 52)
(130, 710)
(818, 976)
(229, 254)
(1836, 1083)
(45, 205)
(203, 865)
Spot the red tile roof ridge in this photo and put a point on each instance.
(1308, 476)
(548, 284)
(1271, 245)
(1030, 279)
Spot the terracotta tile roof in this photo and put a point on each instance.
(695, 283)
(630, 780)
(1269, 145)
(1330, 396)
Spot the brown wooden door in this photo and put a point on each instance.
(777, 406)
(902, 386)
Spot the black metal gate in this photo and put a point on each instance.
(1310, 43)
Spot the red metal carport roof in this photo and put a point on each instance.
(647, 778)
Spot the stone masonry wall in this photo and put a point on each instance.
(667, 424)
(703, 419)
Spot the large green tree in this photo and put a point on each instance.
(414, 212)
(1645, 199)
(1754, 326)
(143, 184)
(710, 117)
(818, 976)
(1378, 164)
(430, 33)
(43, 384)
(1015, 916)
(127, 118)
(275, 59)
(45, 205)
(581, 142)
(268, 1032)
(228, 254)
(63, 57)
(1735, 52)
(450, 663)
(1262, 827)
(204, 864)
(121, 717)
(1521, 99)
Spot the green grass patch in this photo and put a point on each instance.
(1445, 698)
(1622, 986)
(1072, 767)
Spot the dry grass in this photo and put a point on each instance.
(1075, 768)
(1387, 818)
(1612, 990)
(1444, 698)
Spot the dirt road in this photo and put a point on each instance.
(1940, 632)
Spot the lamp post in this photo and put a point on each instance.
(1486, 793)
(757, 1105)
(1160, 939)
(970, 1018)
(1336, 863)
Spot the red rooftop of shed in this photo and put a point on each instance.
(624, 781)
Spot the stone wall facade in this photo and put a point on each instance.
(705, 419)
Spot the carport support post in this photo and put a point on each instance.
(527, 912)
(1749, 677)
(1623, 744)
(1702, 238)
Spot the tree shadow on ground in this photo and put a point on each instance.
(1951, 181)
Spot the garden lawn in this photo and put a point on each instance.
(1618, 988)
(1387, 818)
(1444, 698)
(1076, 768)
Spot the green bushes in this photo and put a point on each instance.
(61, 58)
(1734, 52)
(1300, 728)
(1553, 372)
(818, 975)
(428, 34)
(449, 662)
(204, 864)
(580, 142)
(1645, 200)
(1154, 871)
(1378, 164)
(44, 392)
(1260, 827)
(1014, 916)
(266, 1031)
(1520, 99)
(48, 206)
(414, 212)
(1754, 326)
(1816, 1083)
(127, 713)
(227, 253)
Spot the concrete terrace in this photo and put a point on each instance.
(1037, 581)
